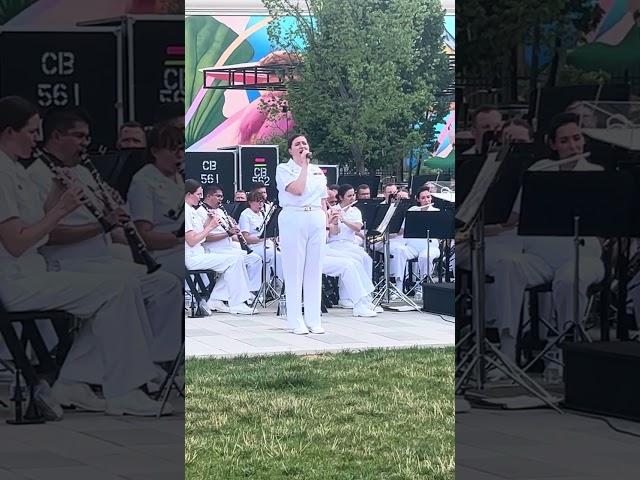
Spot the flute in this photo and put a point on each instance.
(556, 163)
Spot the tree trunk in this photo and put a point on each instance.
(358, 159)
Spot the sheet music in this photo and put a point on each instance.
(628, 138)
(469, 208)
(387, 218)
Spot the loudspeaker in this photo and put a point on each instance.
(438, 298)
(600, 377)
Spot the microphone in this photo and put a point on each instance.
(309, 156)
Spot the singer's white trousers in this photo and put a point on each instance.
(110, 348)
(302, 240)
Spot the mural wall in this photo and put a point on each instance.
(216, 118)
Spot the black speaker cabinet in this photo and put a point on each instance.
(438, 298)
(601, 377)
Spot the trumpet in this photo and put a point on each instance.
(112, 200)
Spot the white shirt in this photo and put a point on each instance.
(193, 222)
(19, 199)
(94, 247)
(346, 234)
(314, 191)
(251, 222)
(157, 199)
(224, 243)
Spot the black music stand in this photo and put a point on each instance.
(270, 230)
(470, 217)
(567, 209)
(419, 180)
(428, 225)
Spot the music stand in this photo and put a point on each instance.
(270, 230)
(434, 224)
(419, 180)
(470, 215)
(567, 209)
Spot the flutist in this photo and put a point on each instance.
(225, 239)
(80, 244)
(345, 221)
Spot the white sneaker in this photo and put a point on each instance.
(204, 308)
(136, 403)
(361, 309)
(217, 306)
(300, 331)
(317, 330)
(241, 309)
(345, 303)
(47, 402)
(78, 395)
(377, 309)
(364, 312)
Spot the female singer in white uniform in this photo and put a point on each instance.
(302, 190)
(156, 198)
(343, 242)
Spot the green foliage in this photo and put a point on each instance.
(206, 40)
(11, 8)
(371, 70)
(570, 75)
(493, 28)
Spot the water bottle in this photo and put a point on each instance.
(18, 397)
(553, 370)
(282, 306)
(418, 294)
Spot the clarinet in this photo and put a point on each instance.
(112, 200)
(231, 223)
(67, 182)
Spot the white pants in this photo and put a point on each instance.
(122, 361)
(233, 284)
(353, 282)
(400, 254)
(162, 307)
(427, 251)
(352, 250)
(302, 239)
(172, 261)
(252, 262)
(269, 259)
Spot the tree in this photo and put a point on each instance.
(490, 31)
(11, 8)
(370, 75)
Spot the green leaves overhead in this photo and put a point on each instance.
(371, 71)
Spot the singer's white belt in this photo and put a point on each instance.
(305, 208)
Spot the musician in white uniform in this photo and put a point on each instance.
(342, 236)
(156, 198)
(252, 222)
(224, 239)
(104, 304)
(80, 244)
(486, 118)
(426, 250)
(231, 267)
(545, 259)
(302, 191)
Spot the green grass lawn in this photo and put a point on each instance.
(378, 414)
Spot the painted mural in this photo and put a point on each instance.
(614, 46)
(217, 118)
